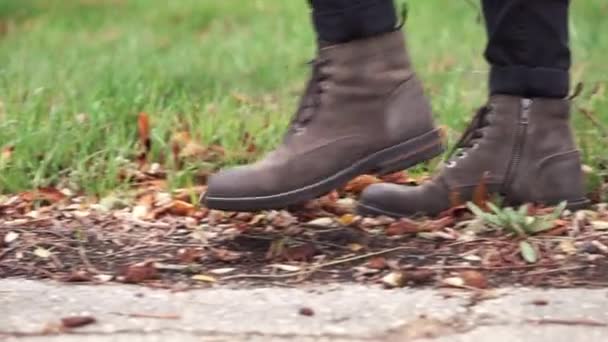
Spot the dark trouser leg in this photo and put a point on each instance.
(339, 21)
(528, 47)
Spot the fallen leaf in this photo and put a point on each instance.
(347, 219)
(528, 252)
(404, 226)
(454, 282)
(138, 273)
(140, 212)
(540, 302)
(286, 268)
(568, 247)
(359, 184)
(143, 209)
(481, 195)
(77, 277)
(393, 280)
(419, 277)
(42, 253)
(599, 225)
(104, 278)
(225, 255)
(6, 153)
(48, 194)
(322, 222)
(355, 247)
(306, 312)
(474, 279)
(301, 253)
(77, 321)
(181, 208)
(400, 177)
(275, 249)
(189, 255)
(221, 271)
(204, 278)
(143, 126)
(378, 263)
(10, 237)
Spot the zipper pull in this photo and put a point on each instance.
(526, 105)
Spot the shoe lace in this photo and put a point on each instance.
(311, 99)
(471, 136)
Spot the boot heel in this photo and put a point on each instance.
(405, 161)
(561, 178)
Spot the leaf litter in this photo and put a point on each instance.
(161, 237)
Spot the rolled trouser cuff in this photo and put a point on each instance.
(340, 21)
(529, 81)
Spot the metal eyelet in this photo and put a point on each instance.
(463, 155)
(300, 130)
(450, 164)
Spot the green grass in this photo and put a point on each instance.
(74, 74)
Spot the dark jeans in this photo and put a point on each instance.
(528, 43)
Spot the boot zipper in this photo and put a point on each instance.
(520, 141)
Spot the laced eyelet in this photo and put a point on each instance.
(299, 130)
(450, 164)
(463, 155)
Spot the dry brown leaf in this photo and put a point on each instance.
(225, 255)
(78, 276)
(189, 194)
(137, 273)
(189, 255)
(249, 142)
(77, 321)
(393, 280)
(181, 208)
(359, 184)
(400, 177)
(456, 199)
(474, 279)
(49, 194)
(306, 312)
(377, 263)
(347, 219)
(6, 153)
(204, 278)
(404, 226)
(420, 276)
(301, 253)
(439, 224)
(481, 195)
(143, 125)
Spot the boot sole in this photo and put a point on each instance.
(389, 160)
(365, 209)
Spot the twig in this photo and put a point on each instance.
(314, 268)
(485, 268)
(145, 315)
(7, 251)
(85, 260)
(595, 121)
(587, 322)
(557, 270)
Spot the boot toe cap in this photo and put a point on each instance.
(234, 183)
(402, 201)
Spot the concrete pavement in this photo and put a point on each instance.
(336, 313)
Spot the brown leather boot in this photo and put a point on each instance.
(523, 149)
(363, 112)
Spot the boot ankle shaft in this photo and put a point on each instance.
(389, 48)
